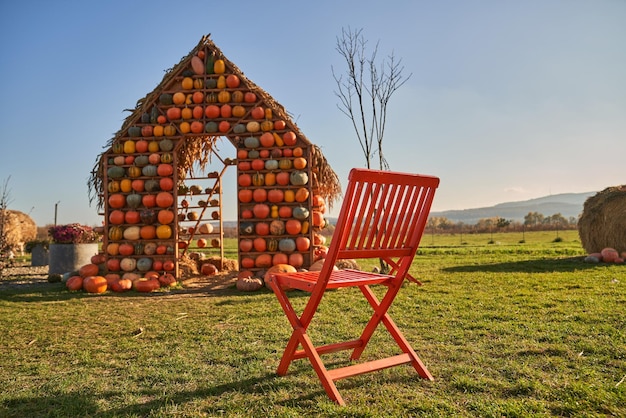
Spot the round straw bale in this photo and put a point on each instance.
(19, 228)
(603, 221)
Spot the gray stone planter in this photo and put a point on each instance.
(39, 256)
(64, 258)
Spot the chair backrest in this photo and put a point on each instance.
(383, 215)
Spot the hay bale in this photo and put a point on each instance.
(19, 228)
(603, 221)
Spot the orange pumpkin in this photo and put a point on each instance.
(246, 245)
(149, 200)
(259, 195)
(244, 180)
(245, 195)
(212, 111)
(293, 226)
(263, 261)
(132, 217)
(296, 259)
(267, 140)
(226, 111)
(166, 183)
(275, 195)
(167, 280)
(299, 163)
(238, 110)
(146, 285)
(164, 200)
(278, 268)
(285, 211)
(289, 138)
(88, 270)
(259, 244)
(282, 178)
(165, 170)
(318, 219)
(224, 126)
(232, 81)
(147, 232)
(116, 217)
(74, 283)
(247, 262)
(121, 285)
(117, 200)
(262, 228)
(173, 113)
(302, 194)
(303, 244)
(113, 248)
(165, 216)
(95, 284)
(196, 127)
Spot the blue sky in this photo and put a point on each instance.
(507, 100)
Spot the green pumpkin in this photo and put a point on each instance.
(133, 200)
(166, 99)
(272, 245)
(166, 145)
(134, 131)
(152, 185)
(154, 114)
(298, 178)
(144, 264)
(251, 142)
(118, 147)
(210, 127)
(239, 128)
(300, 213)
(139, 247)
(149, 170)
(142, 161)
(210, 61)
(115, 172)
(287, 245)
(145, 117)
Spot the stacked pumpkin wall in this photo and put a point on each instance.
(146, 219)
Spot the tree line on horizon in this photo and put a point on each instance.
(533, 221)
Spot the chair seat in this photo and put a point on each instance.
(306, 280)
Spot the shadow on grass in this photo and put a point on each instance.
(529, 266)
(150, 400)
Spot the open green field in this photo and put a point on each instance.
(507, 329)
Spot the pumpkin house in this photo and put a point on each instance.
(160, 193)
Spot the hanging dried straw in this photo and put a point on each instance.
(603, 221)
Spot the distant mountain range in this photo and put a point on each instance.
(567, 204)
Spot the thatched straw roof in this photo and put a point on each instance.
(603, 221)
(198, 148)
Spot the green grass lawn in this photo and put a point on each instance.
(507, 329)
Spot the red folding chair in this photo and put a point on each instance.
(383, 216)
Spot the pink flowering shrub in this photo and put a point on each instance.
(72, 234)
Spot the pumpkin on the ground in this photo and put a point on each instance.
(95, 284)
(278, 268)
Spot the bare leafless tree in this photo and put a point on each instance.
(364, 91)
(5, 199)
